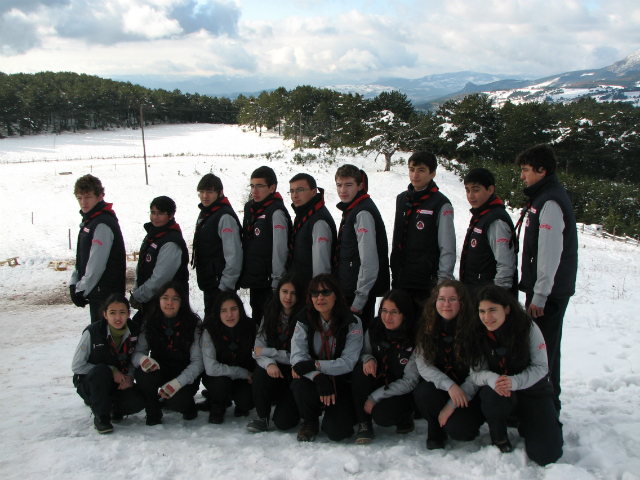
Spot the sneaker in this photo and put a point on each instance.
(102, 424)
(308, 431)
(239, 412)
(365, 433)
(216, 415)
(406, 425)
(258, 425)
(154, 419)
(504, 445)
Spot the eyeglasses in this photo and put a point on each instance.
(256, 187)
(157, 214)
(298, 190)
(208, 192)
(166, 298)
(316, 293)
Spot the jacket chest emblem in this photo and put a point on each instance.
(153, 245)
(477, 230)
(256, 231)
(403, 361)
(148, 257)
(474, 243)
(86, 230)
(425, 212)
(262, 216)
(420, 225)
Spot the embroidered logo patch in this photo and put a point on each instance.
(502, 240)
(403, 361)
(323, 239)
(134, 339)
(148, 258)
(206, 344)
(154, 245)
(356, 332)
(447, 212)
(363, 230)
(262, 216)
(545, 226)
(533, 210)
(410, 349)
(474, 243)
(96, 241)
(542, 346)
(227, 230)
(86, 229)
(257, 231)
(278, 227)
(297, 329)
(420, 225)
(477, 230)
(83, 348)
(426, 212)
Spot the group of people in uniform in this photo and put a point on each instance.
(457, 353)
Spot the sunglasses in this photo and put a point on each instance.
(325, 293)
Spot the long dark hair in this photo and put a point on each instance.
(515, 331)
(273, 308)
(429, 327)
(407, 330)
(114, 298)
(340, 312)
(188, 320)
(213, 324)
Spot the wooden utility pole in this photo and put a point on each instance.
(144, 149)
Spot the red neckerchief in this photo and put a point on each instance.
(123, 364)
(108, 208)
(300, 220)
(397, 343)
(448, 358)
(326, 347)
(416, 203)
(345, 214)
(202, 219)
(258, 208)
(149, 239)
(169, 332)
(283, 337)
(234, 346)
(475, 218)
(493, 343)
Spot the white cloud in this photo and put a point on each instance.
(149, 22)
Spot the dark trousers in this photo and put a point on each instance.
(150, 382)
(257, 299)
(269, 391)
(338, 420)
(419, 297)
(95, 310)
(209, 299)
(101, 393)
(222, 389)
(368, 311)
(388, 411)
(539, 425)
(550, 325)
(463, 424)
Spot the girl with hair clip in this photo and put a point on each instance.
(271, 380)
(168, 357)
(228, 336)
(383, 382)
(445, 396)
(509, 363)
(325, 347)
(102, 370)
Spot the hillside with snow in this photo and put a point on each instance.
(47, 431)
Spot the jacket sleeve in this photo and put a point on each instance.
(299, 345)
(168, 263)
(549, 250)
(80, 364)
(402, 386)
(538, 367)
(195, 368)
(446, 243)
(432, 374)
(142, 348)
(212, 367)
(269, 355)
(365, 228)
(366, 353)
(350, 353)
(481, 375)
(98, 256)
(321, 247)
(229, 233)
(499, 235)
(280, 246)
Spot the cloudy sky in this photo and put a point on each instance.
(315, 39)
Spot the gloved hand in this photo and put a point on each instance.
(147, 364)
(169, 389)
(77, 298)
(304, 367)
(323, 384)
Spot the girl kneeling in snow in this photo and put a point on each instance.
(271, 380)
(325, 347)
(168, 358)
(383, 382)
(103, 374)
(445, 396)
(509, 359)
(228, 336)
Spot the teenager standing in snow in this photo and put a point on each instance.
(271, 380)
(266, 226)
(382, 383)
(102, 368)
(489, 252)
(423, 251)
(325, 348)
(228, 336)
(313, 233)
(168, 357)
(163, 255)
(361, 259)
(217, 248)
(445, 396)
(101, 260)
(509, 364)
(549, 252)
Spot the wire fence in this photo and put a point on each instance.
(597, 231)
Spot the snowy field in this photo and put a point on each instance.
(47, 432)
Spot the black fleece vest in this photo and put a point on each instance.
(257, 251)
(349, 257)
(564, 283)
(147, 262)
(415, 265)
(210, 261)
(113, 278)
(396, 358)
(101, 352)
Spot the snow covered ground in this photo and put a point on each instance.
(47, 431)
